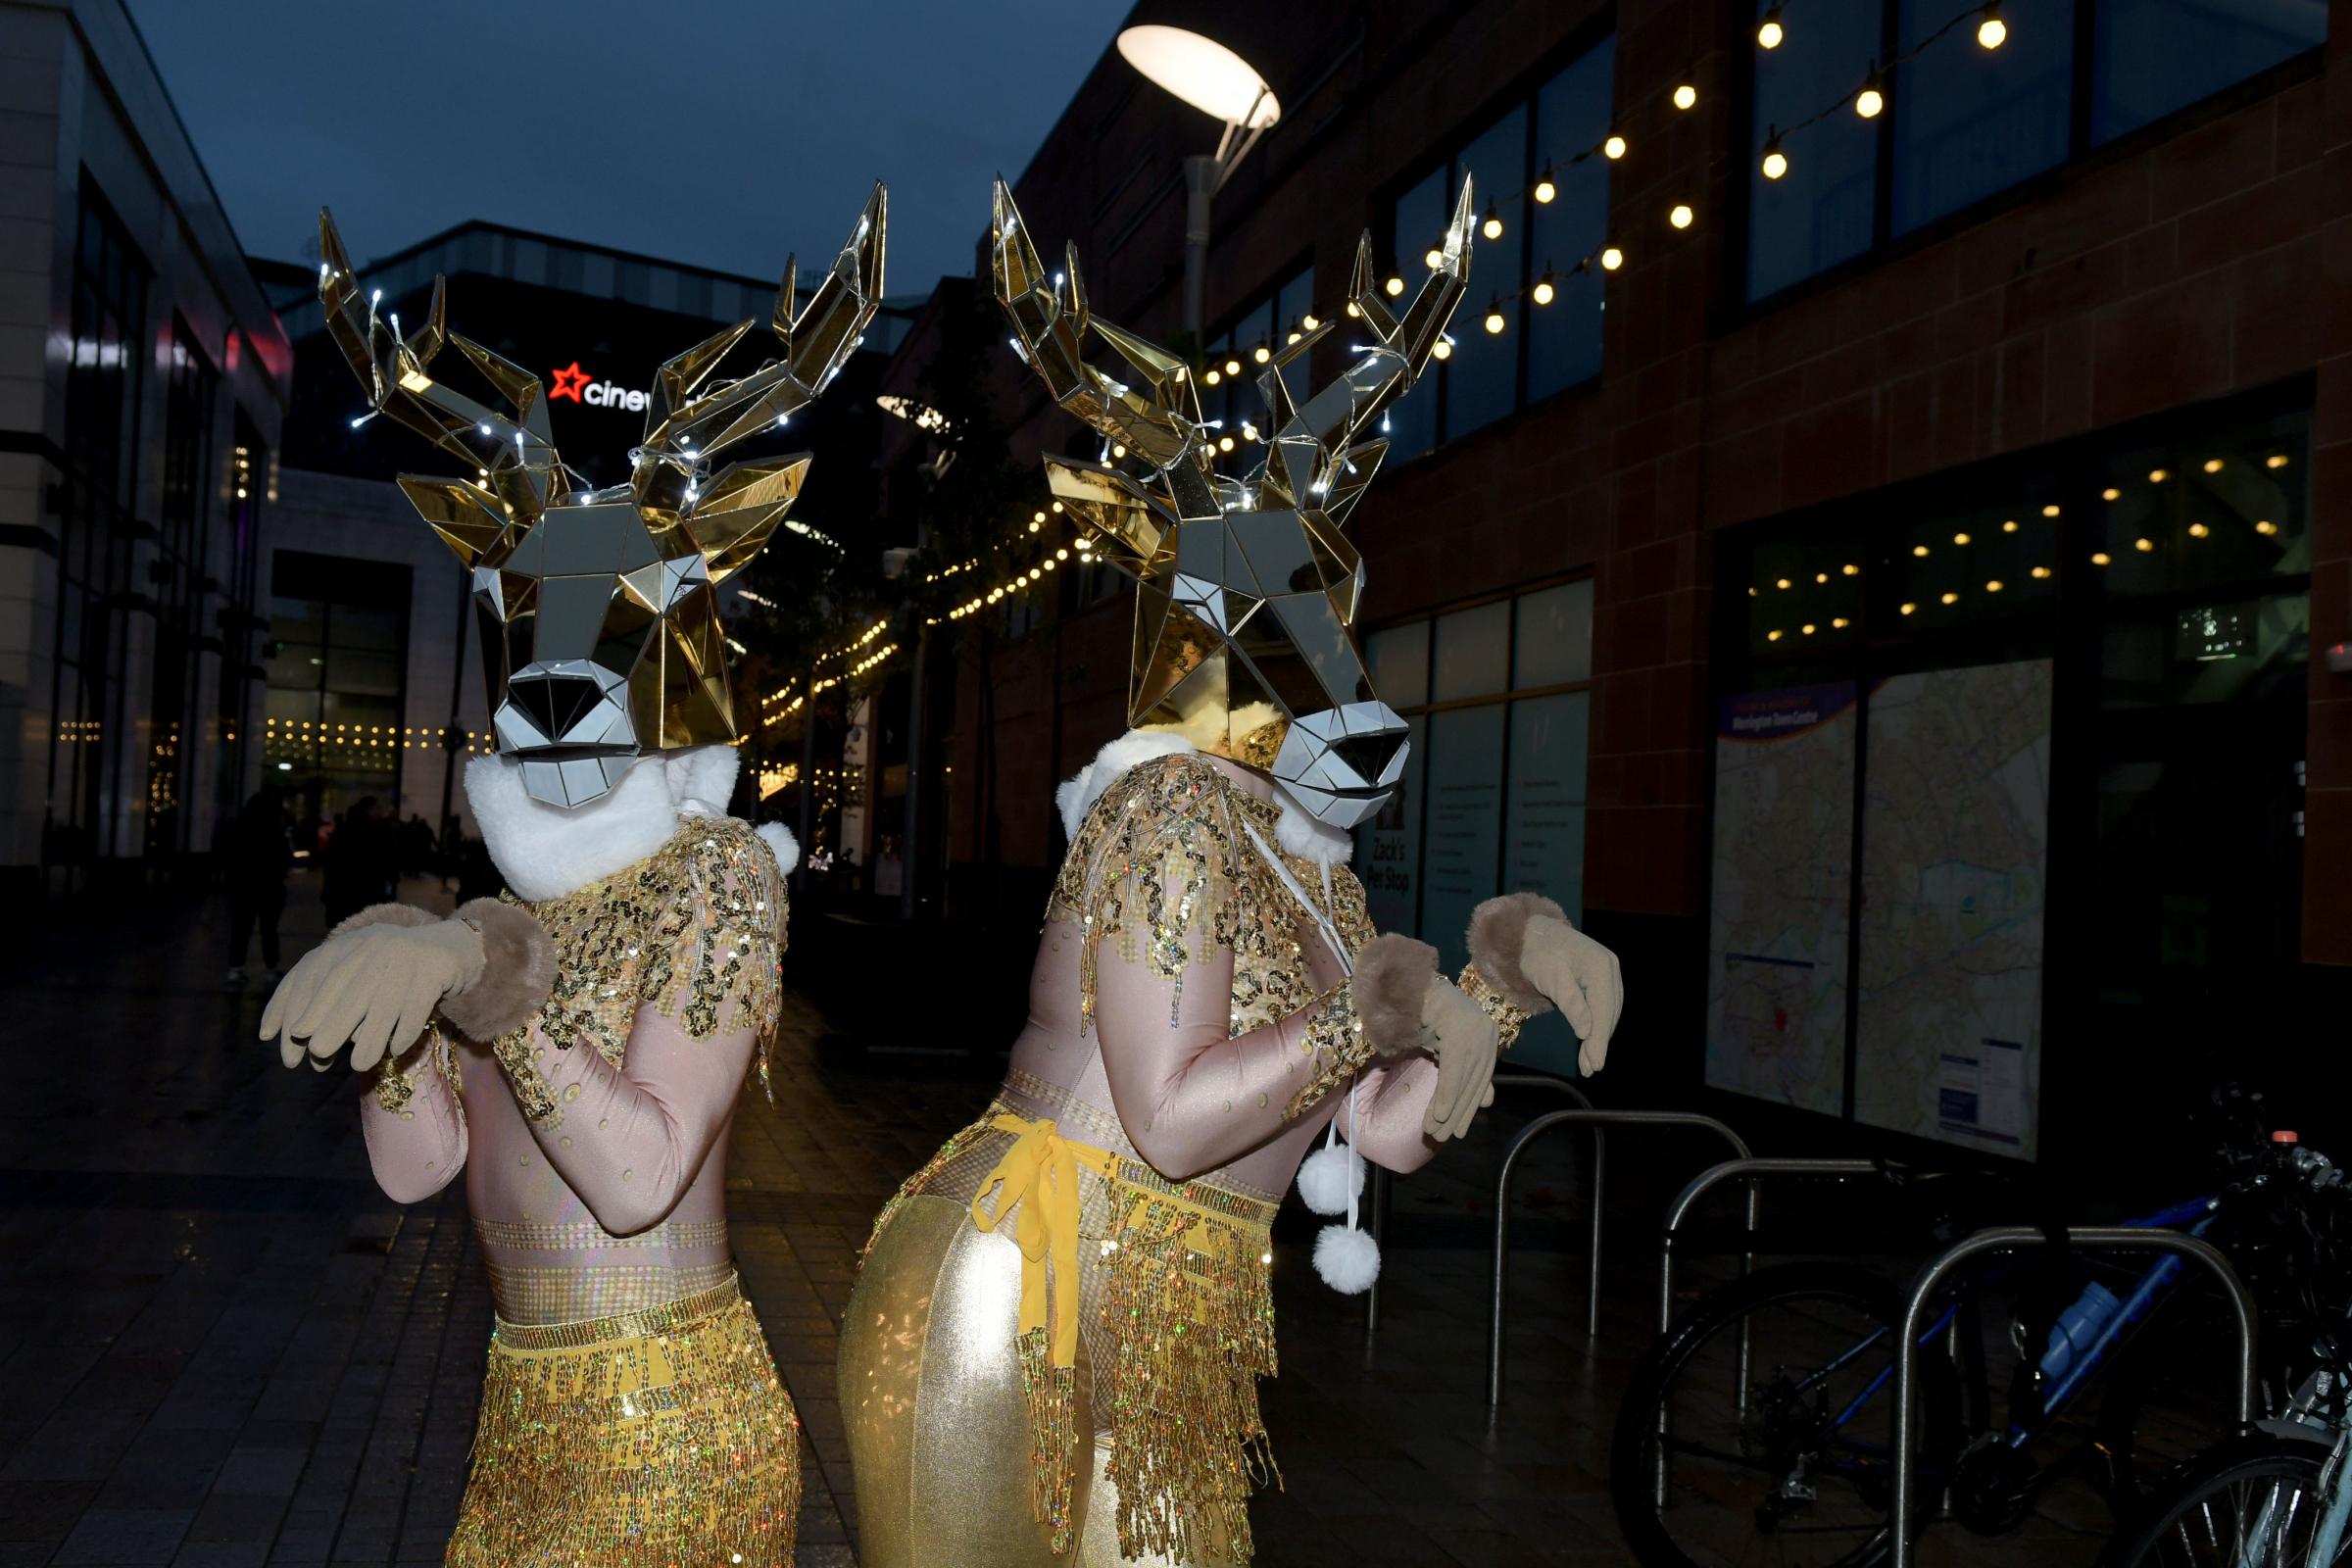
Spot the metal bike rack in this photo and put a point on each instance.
(1378, 1207)
(1742, 1169)
(1596, 1120)
(2013, 1237)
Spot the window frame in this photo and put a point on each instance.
(1522, 92)
(1509, 694)
(2083, 158)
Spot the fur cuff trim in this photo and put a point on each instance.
(383, 914)
(518, 972)
(1078, 794)
(1393, 974)
(1497, 933)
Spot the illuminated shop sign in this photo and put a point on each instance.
(585, 386)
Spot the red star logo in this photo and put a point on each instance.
(569, 382)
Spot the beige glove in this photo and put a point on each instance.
(1582, 979)
(375, 985)
(1463, 1039)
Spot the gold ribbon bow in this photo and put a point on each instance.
(1039, 1174)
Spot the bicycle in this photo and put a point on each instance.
(2281, 1495)
(1704, 1462)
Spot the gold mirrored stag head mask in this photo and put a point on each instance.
(601, 637)
(1246, 588)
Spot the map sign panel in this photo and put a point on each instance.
(1955, 837)
(1782, 876)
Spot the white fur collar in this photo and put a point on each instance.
(1296, 830)
(545, 852)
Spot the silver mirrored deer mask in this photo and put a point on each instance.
(1246, 589)
(601, 637)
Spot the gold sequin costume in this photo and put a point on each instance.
(631, 1414)
(1181, 1056)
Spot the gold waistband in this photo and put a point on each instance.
(1077, 1115)
(643, 1323)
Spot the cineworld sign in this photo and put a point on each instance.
(582, 386)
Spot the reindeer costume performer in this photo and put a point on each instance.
(1054, 1343)
(578, 1046)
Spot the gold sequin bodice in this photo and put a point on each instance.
(1168, 862)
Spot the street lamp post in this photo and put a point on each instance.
(1218, 82)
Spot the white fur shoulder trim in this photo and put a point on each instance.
(786, 848)
(1296, 831)
(1299, 832)
(545, 852)
(702, 779)
(1137, 746)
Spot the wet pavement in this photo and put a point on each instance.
(221, 1346)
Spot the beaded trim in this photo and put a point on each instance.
(1336, 1042)
(1509, 1018)
(643, 1323)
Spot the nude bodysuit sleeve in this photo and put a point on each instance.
(630, 1138)
(415, 1149)
(1192, 1096)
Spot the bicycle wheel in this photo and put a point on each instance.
(2252, 1503)
(1763, 1470)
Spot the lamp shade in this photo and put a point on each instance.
(1202, 71)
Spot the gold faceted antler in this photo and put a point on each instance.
(1312, 455)
(521, 474)
(692, 421)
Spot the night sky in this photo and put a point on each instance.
(718, 132)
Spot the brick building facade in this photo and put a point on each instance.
(2177, 271)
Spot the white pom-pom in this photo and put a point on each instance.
(786, 848)
(1349, 1259)
(1329, 1178)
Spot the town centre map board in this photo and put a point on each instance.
(1956, 829)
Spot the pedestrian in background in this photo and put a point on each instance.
(254, 857)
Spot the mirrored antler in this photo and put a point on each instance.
(516, 458)
(692, 421)
(1159, 423)
(1312, 455)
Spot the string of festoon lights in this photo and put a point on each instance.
(1867, 99)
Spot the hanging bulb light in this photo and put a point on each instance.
(1394, 286)
(1686, 91)
(1232, 367)
(1611, 258)
(1774, 165)
(1311, 321)
(1494, 322)
(1543, 291)
(1769, 31)
(1683, 217)
(1433, 258)
(1442, 349)
(1993, 31)
(1871, 101)
(1493, 226)
(1261, 353)
(1294, 336)
(1213, 377)
(1614, 148)
(1546, 189)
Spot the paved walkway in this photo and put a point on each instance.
(219, 1346)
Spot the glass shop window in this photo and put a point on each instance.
(1962, 122)
(1499, 698)
(338, 666)
(1937, 701)
(1541, 188)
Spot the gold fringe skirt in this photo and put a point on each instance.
(653, 1439)
(1146, 1448)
